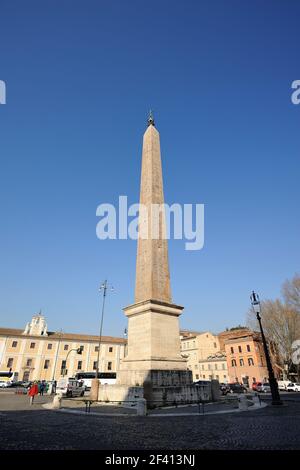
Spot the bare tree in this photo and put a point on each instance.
(281, 325)
(291, 293)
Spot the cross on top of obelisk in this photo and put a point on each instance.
(150, 119)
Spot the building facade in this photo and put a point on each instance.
(38, 354)
(214, 368)
(246, 359)
(197, 347)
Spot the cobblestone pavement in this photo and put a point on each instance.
(36, 428)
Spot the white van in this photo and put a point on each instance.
(70, 387)
(282, 384)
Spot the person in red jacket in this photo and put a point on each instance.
(33, 391)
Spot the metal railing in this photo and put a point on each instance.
(201, 404)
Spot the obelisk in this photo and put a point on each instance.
(153, 320)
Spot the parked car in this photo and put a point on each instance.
(293, 387)
(256, 386)
(16, 384)
(265, 388)
(202, 382)
(282, 384)
(236, 388)
(26, 384)
(3, 384)
(224, 389)
(70, 387)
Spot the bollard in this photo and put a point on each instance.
(256, 399)
(243, 404)
(56, 404)
(141, 409)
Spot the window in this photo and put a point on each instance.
(49, 346)
(14, 344)
(215, 345)
(223, 366)
(233, 362)
(210, 377)
(79, 365)
(196, 366)
(250, 361)
(46, 364)
(224, 376)
(29, 363)
(63, 370)
(217, 377)
(203, 376)
(232, 350)
(202, 366)
(240, 348)
(216, 366)
(194, 344)
(241, 362)
(82, 347)
(10, 362)
(109, 366)
(110, 349)
(187, 344)
(248, 348)
(66, 347)
(32, 345)
(253, 379)
(197, 376)
(94, 365)
(96, 348)
(209, 366)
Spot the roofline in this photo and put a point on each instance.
(11, 332)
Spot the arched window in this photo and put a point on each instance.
(250, 361)
(241, 362)
(233, 362)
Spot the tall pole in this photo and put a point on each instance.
(125, 345)
(272, 381)
(95, 382)
(104, 288)
(57, 352)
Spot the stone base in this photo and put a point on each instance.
(155, 396)
(168, 396)
(155, 378)
(153, 337)
(120, 394)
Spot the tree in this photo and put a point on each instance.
(281, 326)
(291, 293)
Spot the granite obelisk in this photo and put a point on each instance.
(153, 320)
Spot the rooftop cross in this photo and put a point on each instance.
(151, 119)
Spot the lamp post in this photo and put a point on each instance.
(95, 381)
(255, 302)
(79, 351)
(57, 353)
(125, 334)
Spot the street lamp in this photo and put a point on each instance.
(79, 351)
(57, 353)
(255, 302)
(125, 334)
(95, 382)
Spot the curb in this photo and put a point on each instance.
(157, 415)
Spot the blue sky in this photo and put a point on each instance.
(81, 77)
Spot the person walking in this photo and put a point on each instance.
(42, 388)
(33, 391)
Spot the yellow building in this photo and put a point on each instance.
(38, 354)
(196, 347)
(214, 367)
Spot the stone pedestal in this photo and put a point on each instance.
(95, 384)
(153, 338)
